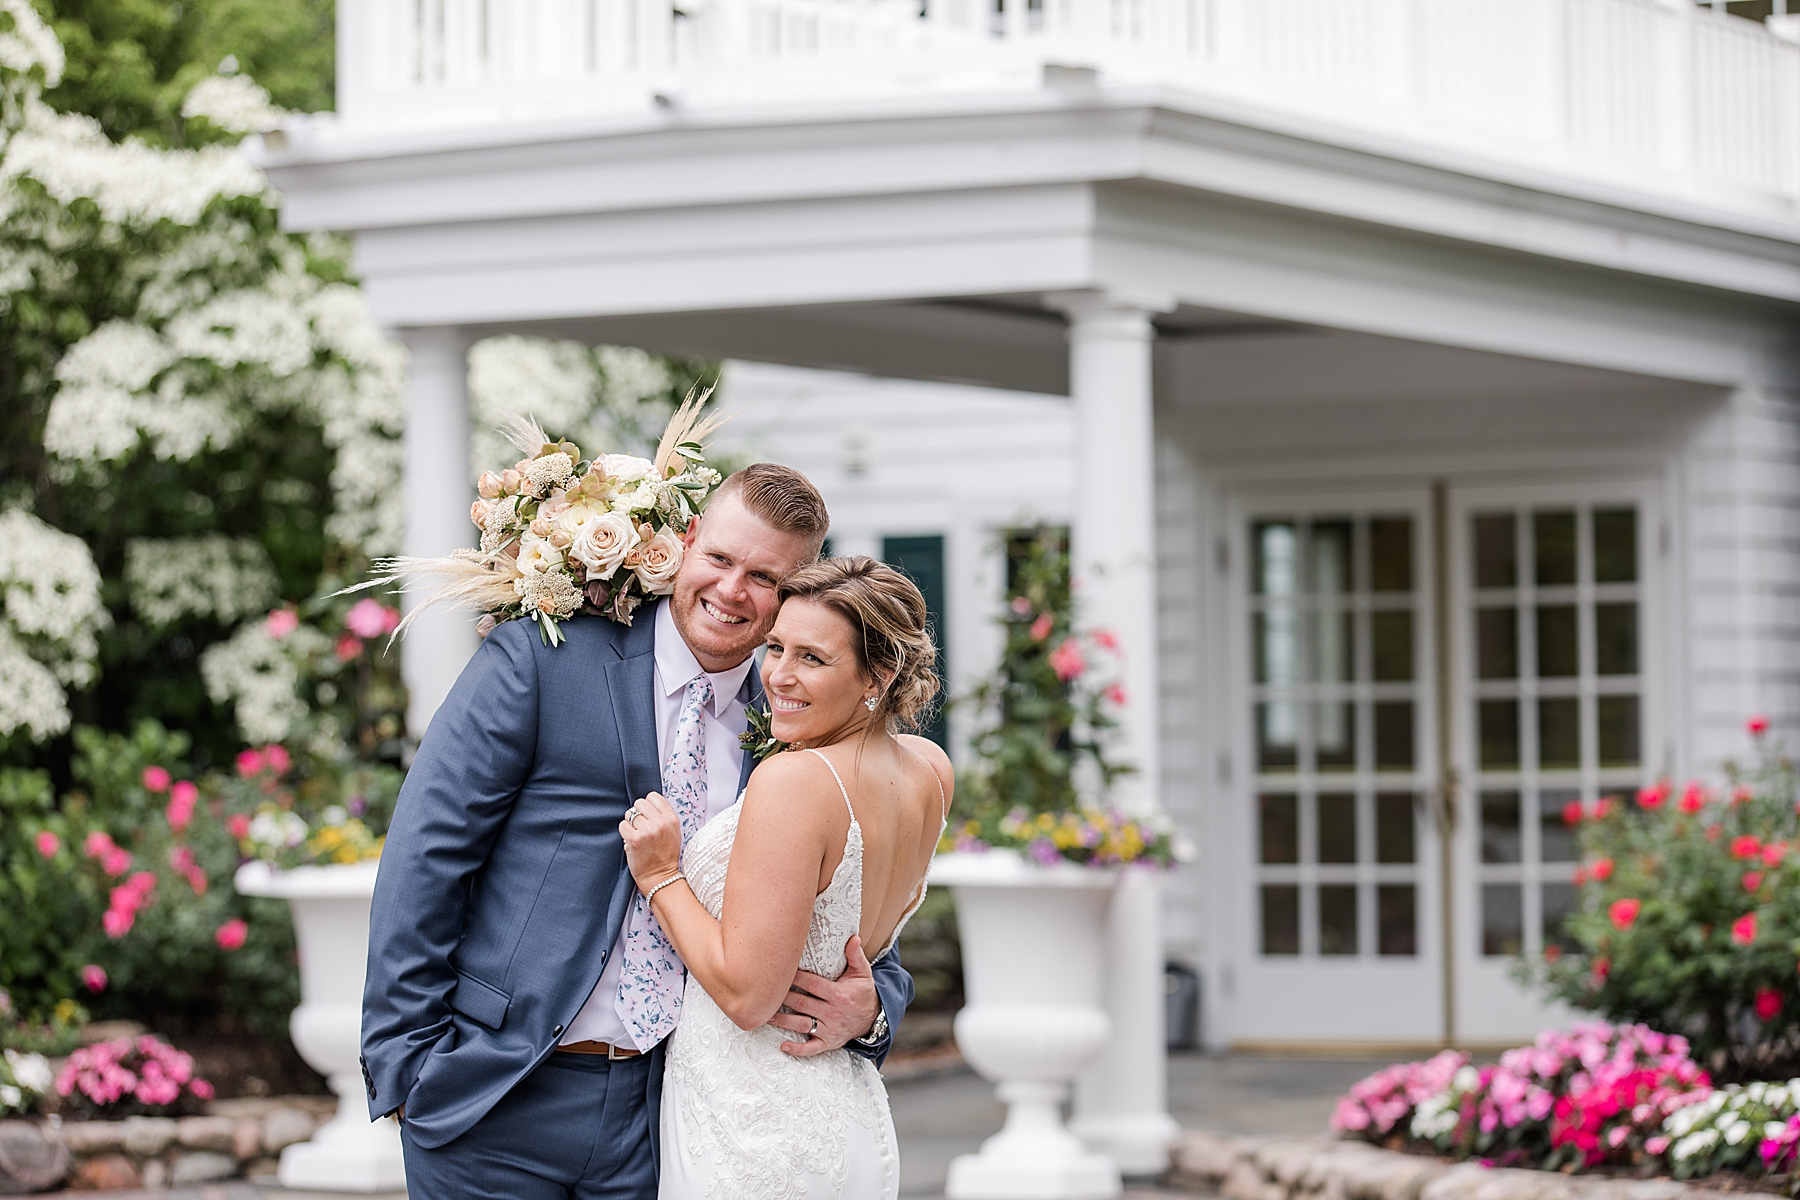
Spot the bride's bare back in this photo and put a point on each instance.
(900, 788)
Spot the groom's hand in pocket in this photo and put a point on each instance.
(845, 1007)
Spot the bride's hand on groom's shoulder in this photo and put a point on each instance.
(832, 1011)
(652, 833)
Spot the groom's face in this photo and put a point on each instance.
(724, 599)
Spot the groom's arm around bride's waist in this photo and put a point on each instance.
(458, 794)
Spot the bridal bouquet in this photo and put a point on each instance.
(561, 534)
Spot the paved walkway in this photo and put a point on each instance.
(937, 1119)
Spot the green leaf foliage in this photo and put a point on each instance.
(1690, 918)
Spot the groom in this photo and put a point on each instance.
(513, 1017)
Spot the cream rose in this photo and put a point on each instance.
(625, 468)
(657, 561)
(537, 556)
(603, 544)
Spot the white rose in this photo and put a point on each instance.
(642, 498)
(577, 517)
(603, 544)
(657, 561)
(537, 555)
(625, 468)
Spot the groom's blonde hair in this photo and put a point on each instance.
(782, 497)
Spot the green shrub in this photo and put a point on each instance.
(1690, 916)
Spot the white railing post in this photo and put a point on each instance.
(1675, 87)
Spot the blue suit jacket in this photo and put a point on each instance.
(503, 880)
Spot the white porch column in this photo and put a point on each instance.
(438, 495)
(1121, 1098)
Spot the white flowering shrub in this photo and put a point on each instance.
(258, 670)
(222, 578)
(49, 625)
(197, 408)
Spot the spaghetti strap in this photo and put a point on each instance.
(842, 790)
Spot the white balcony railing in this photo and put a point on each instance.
(1659, 95)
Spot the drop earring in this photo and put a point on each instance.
(869, 702)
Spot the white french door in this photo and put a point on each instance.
(1557, 704)
(1379, 896)
(1340, 933)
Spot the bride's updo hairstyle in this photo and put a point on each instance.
(888, 630)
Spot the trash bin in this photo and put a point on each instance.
(1181, 986)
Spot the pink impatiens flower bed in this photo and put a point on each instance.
(131, 1074)
(1577, 1098)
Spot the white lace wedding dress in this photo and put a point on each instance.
(740, 1119)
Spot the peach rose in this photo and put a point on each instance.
(603, 544)
(657, 561)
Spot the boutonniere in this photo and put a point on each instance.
(759, 739)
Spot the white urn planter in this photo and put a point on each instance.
(1032, 960)
(331, 924)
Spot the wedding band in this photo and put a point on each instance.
(632, 817)
(814, 1031)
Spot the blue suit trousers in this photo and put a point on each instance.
(576, 1128)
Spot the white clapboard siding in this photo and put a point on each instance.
(1741, 571)
(1182, 583)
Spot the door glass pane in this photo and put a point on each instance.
(1334, 647)
(1498, 723)
(1392, 637)
(1280, 918)
(1500, 827)
(1337, 828)
(1556, 835)
(1335, 736)
(1615, 545)
(1502, 918)
(1615, 639)
(1396, 915)
(1497, 642)
(1393, 735)
(1557, 655)
(1274, 548)
(1280, 833)
(1618, 721)
(1277, 740)
(1559, 733)
(1394, 828)
(1272, 632)
(1560, 903)
(1332, 544)
(1390, 554)
(1337, 919)
(1553, 547)
(1496, 551)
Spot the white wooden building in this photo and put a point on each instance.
(1456, 338)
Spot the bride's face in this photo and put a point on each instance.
(815, 687)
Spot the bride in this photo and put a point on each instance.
(830, 840)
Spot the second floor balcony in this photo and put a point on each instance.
(1662, 98)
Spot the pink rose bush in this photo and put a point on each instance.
(1577, 1098)
(1689, 916)
(131, 1075)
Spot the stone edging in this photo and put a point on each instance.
(1245, 1168)
(237, 1138)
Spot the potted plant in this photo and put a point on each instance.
(1032, 863)
(325, 869)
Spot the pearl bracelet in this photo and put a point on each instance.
(651, 894)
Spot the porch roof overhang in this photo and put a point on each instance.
(803, 225)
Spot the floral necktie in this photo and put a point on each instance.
(651, 977)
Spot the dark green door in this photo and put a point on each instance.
(922, 558)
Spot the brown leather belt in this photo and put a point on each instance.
(591, 1047)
